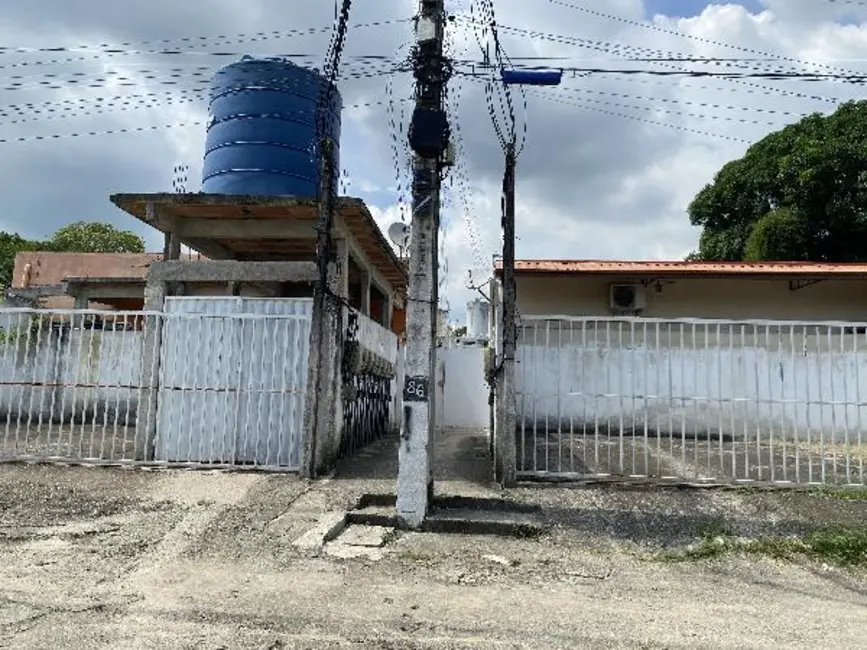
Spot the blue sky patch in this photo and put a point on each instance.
(690, 8)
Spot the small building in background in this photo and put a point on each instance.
(109, 281)
(710, 290)
(478, 320)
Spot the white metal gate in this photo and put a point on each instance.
(233, 375)
(695, 400)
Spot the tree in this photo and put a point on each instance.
(79, 237)
(797, 194)
(95, 237)
(10, 245)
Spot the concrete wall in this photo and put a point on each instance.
(735, 299)
(740, 380)
(462, 400)
(58, 374)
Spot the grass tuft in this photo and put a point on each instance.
(841, 546)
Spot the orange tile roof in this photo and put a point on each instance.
(682, 268)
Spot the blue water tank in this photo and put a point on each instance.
(262, 129)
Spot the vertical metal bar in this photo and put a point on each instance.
(771, 411)
(91, 392)
(570, 403)
(633, 433)
(783, 401)
(758, 403)
(560, 359)
(732, 398)
(226, 383)
(621, 386)
(709, 401)
(657, 355)
(62, 342)
(528, 391)
(275, 388)
(26, 363)
(9, 361)
(720, 402)
(583, 389)
(295, 364)
(696, 404)
(248, 345)
(39, 377)
(833, 442)
(795, 426)
(189, 382)
(205, 385)
(536, 393)
(671, 399)
(645, 361)
(266, 383)
(809, 404)
(127, 336)
(78, 318)
(48, 378)
(746, 403)
(861, 441)
(682, 389)
(596, 374)
(846, 402)
(607, 395)
(547, 405)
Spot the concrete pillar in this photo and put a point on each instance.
(323, 406)
(146, 413)
(82, 301)
(365, 293)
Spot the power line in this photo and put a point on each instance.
(119, 48)
(577, 103)
(698, 39)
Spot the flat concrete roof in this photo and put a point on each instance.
(353, 212)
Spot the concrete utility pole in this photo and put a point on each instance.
(504, 453)
(429, 134)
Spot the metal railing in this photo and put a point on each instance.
(191, 389)
(693, 400)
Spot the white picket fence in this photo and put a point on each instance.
(722, 401)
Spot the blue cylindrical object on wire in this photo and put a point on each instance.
(533, 77)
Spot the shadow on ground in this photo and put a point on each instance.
(459, 455)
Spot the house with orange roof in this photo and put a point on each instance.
(677, 289)
(725, 372)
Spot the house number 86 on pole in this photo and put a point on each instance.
(415, 389)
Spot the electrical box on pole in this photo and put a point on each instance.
(429, 138)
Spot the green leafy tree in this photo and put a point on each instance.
(10, 245)
(95, 237)
(797, 194)
(79, 237)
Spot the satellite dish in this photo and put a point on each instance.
(398, 233)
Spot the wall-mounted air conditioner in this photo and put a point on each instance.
(627, 298)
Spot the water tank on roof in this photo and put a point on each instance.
(262, 129)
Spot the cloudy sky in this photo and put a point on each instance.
(610, 162)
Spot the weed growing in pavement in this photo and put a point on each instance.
(840, 545)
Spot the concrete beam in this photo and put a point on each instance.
(246, 229)
(232, 271)
(102, 291)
